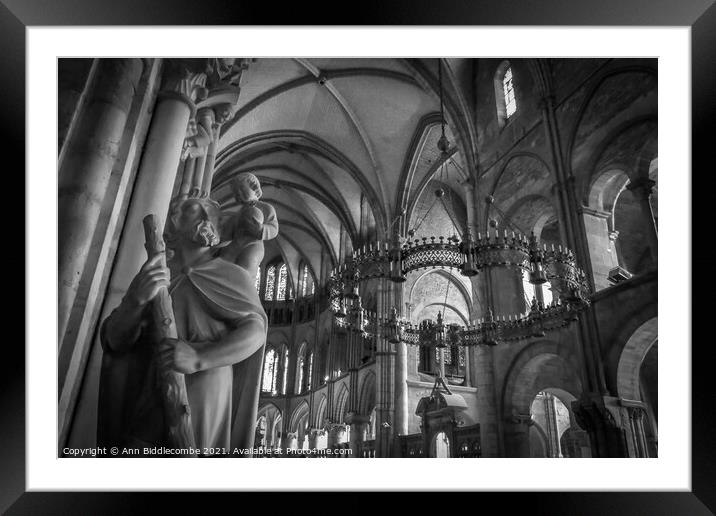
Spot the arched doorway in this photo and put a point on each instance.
(637, 386)
(555, 432)
(543, 378)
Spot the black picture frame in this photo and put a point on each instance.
(700, 15)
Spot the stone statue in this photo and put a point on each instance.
(220, 322)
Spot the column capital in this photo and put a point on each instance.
(205, 82)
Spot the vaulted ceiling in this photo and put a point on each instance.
(343, 146)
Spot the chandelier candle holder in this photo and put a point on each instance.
(495, 249)
(396, 258)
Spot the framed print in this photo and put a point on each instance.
(418, 236)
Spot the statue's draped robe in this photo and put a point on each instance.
(208, 300)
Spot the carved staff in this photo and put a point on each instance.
(173, 386)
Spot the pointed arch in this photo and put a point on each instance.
(366, 401)
(319, 419)
(299, 413)
(339, 410)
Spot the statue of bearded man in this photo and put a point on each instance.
(221, 328)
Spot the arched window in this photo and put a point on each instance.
(299, 374)
(281, 289)
(285, 371)
(307, 283)
(309, 372)
(304, 369)
(270, 373)
(304, 277)
(270, 282)
(509, 91)
(505, 97)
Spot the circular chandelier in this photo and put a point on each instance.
(396, 258)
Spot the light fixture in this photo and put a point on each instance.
(395, 258)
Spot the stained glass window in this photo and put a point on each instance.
(285, 371)
(461, 356)
(270, 282)
(309, 374)
(304, 278)
(509, 92)
(300, 374)
(269, 377)
(281, 291)
(258, 279)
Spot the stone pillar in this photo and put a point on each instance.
(401, 389)
(357, 435)
(486, 400)
(642, 189)
(312, 438)
(385, 376)
(211, 155)
(85, 169)
(290, 441)
(573, 234)
(336, 434)
(506, 291)
(469, 189)
(154, 184)
(552, 430)
(636, 417)
(517, 435)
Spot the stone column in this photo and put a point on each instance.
(469, 189)
(336, 434)
(357, 435)
(385, 377)
(155, 179)
(290, 441)
(642, 189)
(636, 417)
(486, 400)
(550, 413)
(401, 389)
(85, 169)
(573, 234)
(312, 438)
(211, 154)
